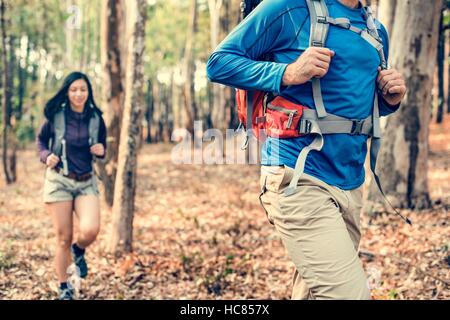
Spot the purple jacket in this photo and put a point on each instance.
(79, 156)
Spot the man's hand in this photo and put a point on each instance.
(98, 150)
(392, 85)
(314, 62)
(52, 161)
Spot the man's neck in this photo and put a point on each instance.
(350, 3)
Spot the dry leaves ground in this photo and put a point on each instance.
(200, 234)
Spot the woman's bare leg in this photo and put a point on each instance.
(62, 214)
(87, 209)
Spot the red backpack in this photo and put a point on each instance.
(275, 116)
(270, 116)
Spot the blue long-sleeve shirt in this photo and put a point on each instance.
(281, 28)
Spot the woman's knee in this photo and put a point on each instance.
(64, 239)
(89, 233)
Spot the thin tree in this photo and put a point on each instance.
(386, 13)
(134, 108)
(440, 68)
(113, 91)
(403, 157)
(189, 69)
(218, 90)
(9, 166)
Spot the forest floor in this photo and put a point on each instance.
(200, 233)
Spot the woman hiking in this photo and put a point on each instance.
(71, 137)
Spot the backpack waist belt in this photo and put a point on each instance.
(311, 124)
(332, 124)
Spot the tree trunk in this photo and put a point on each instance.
(189, 70)
(12, 120)
(177, 110)
(209, 112)
(218, 97)
(440, 70)
(23, 75)
(162, 118)
(82, 34)
(157, 107)
(6, 100)
(113, 91)
(448, 71)
(134, 108)
(69, 35)
(386, 14)
(167, 110)
(96, 31)
(230, 18)
(149, 113)
(403, 157)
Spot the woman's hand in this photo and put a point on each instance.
(52, 161)
(98, 150)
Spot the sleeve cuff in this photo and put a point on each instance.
(44, 155)
(279, 78)
(104, 154)
(393, 108)
(386, 108)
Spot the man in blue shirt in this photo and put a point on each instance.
(319, 224)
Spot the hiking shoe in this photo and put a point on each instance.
(80, 262)
(66, 294)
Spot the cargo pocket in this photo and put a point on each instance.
(271, 182)
(51, 175)
(263, 191)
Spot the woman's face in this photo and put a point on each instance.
(78, 93)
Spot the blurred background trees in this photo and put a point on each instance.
(417, 50)
(42, 41)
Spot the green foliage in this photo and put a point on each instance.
(393, 294)
(48, 47)
(165, 42)
(166, 34)
(25, 132)
(446, 20)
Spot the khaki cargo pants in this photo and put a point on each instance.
(320, 229)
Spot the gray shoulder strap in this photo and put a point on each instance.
(59, 124)
(59, 143)
(372, 36)
(249, 117)
(94, 128)
(318, 12)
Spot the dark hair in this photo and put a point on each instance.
(53, 105)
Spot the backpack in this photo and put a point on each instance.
(58, 144)
(261, 112)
